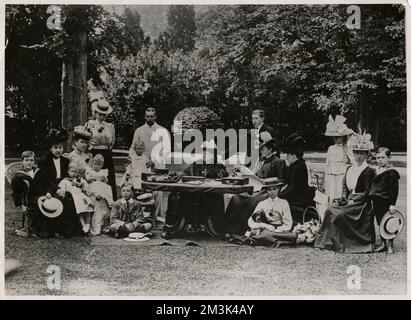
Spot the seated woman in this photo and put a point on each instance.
(348, 224)
(271, 220)
(298, 193)
(241, 206)
(207, 204)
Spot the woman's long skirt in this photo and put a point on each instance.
(108, 164)
(347, 228)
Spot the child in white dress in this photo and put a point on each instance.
(138, 163)
(100, 194)
(77, 186)
(339, 157)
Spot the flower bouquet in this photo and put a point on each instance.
(306, 232)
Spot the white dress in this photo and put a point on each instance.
(338, 159)
(101, 197)
(82, 202)
(134, 170)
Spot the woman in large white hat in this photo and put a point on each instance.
(102, 135)
(339, 156)
(348, 224)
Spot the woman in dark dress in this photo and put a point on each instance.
(55, 165)
(298, 193)
(241, 206)
(348, 224)
(196, 206)
(384, 192)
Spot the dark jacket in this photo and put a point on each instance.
(362, 188)
(385, 186)
(47, 165)
(272, 167)
(298, 192)
(26, 190)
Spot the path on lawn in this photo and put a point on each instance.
(248, 271)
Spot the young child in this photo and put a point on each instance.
(27, 185)
(127, 215)
(138, 163)
(384, 192)
(100, 194)
(338, 158)
(80, 154)
(276, 211)
(95, 171)
(77, 186)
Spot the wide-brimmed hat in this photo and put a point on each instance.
(80, 132)
(51, 208)
(269, 143)
(56, 136)
(361, 142)
(99, 103)
(272, 182)
(337, 127)
(294, 144)
(391, 225)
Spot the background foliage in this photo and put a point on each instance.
(300, 63)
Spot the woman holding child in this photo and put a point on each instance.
(102, 135)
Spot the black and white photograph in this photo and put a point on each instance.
(204, 150)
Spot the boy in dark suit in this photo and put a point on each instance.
(127, 215)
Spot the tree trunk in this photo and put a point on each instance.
(74, 88)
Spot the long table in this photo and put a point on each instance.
(208, 186)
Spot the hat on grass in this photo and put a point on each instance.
(51, 208)
(391, 225)
(337, 127)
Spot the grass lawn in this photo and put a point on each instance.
(248, 271)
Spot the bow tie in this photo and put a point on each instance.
(55, 158)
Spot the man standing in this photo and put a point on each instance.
(157, 146)
(258, 134)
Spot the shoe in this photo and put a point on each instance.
(166, 235)
(22, 232)
(381, 248)
(160, 219)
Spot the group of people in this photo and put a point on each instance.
(76, 193)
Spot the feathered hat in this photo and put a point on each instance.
(56, 136)
(337, 127)
(361, 142)
(79, 132)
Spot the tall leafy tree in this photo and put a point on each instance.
(181, 27)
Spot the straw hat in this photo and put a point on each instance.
(272, 182)
(391, 225)
(337, 127)
(99, 103)
(51, 208)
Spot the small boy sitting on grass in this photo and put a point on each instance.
(127, 215)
